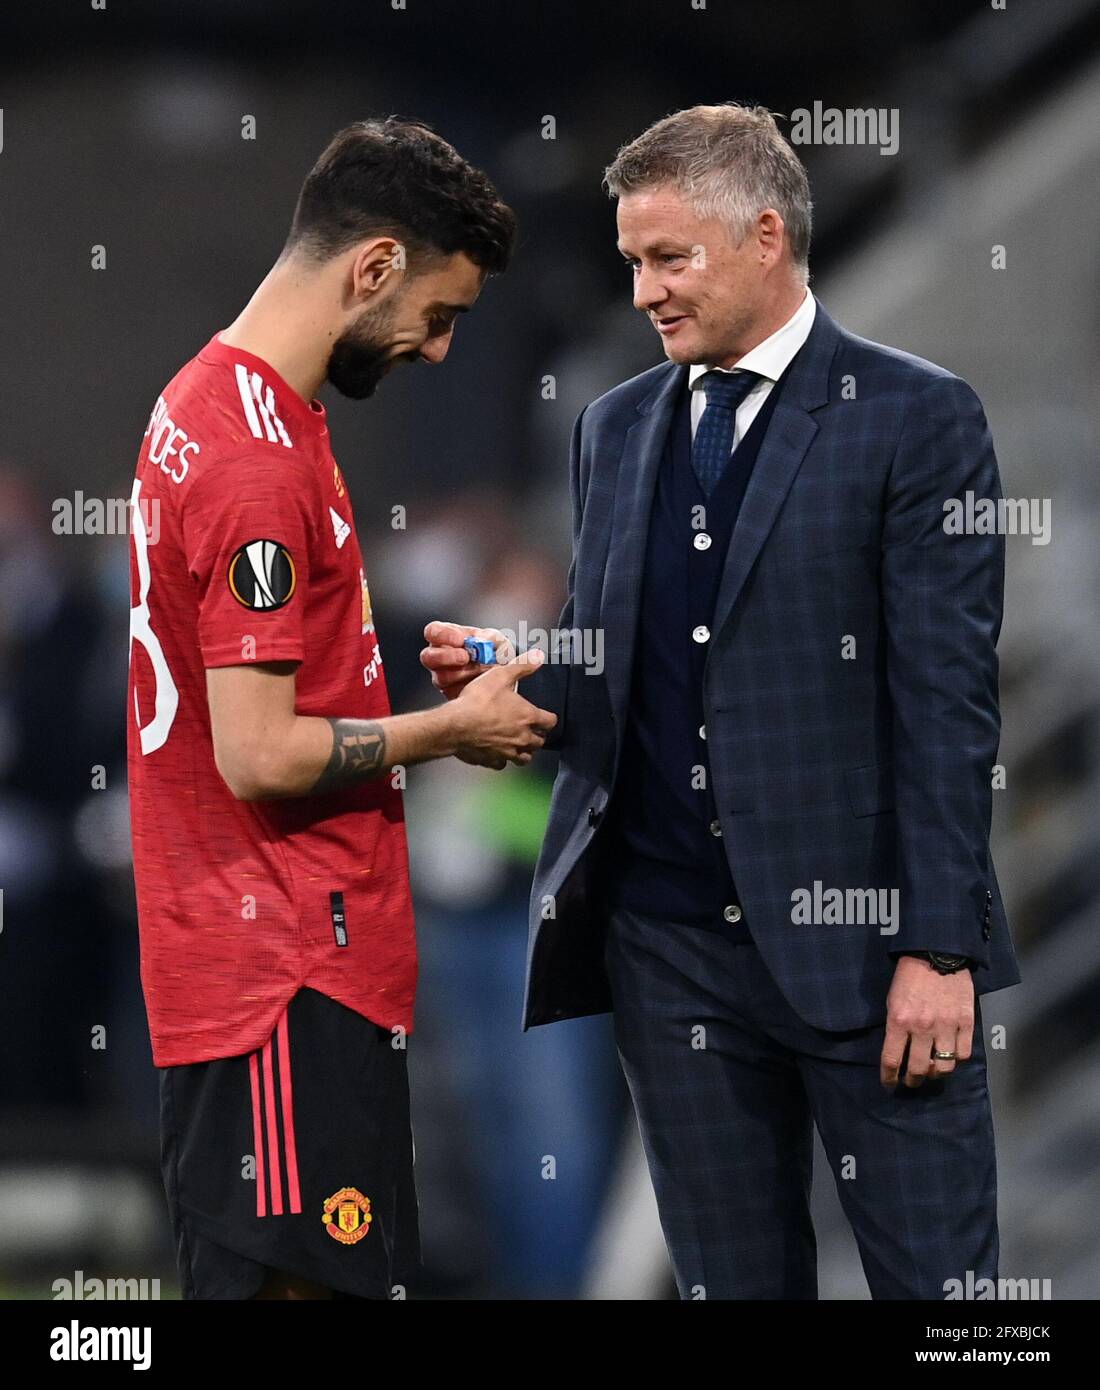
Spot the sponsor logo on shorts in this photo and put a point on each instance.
(347, 1216)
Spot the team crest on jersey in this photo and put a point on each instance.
(261, 576)
(337, 480)
(347, 1216)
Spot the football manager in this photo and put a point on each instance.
(768, 847)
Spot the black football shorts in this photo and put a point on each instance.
(296, 1158)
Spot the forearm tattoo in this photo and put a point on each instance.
(358, 752)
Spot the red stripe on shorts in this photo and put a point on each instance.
(286, 1087)
(272, 1133)
(257, 1136)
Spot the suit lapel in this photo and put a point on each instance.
(790, 433)
(640, 459)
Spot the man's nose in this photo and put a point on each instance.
(649, 293)
(435, 348)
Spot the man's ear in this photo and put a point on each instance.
(374, 264)
(770, 232)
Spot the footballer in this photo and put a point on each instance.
(278, 959)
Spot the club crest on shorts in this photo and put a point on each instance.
(261, 576)
(352, 1218)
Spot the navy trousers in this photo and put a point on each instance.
(727, 1082)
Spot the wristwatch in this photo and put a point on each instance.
(943, 961)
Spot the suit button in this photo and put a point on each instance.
(700, 633)
(702, 541)
(593, 816)
(702, 731)
(732, 913)
(716, 827)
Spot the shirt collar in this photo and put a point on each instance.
(312, 413)
(771, 358)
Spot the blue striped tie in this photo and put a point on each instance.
(714, 436)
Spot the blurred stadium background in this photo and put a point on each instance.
(122, 129)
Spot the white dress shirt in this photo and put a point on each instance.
(770, 359)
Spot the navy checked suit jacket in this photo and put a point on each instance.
(870, 771)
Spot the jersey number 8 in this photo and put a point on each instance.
(166, 700)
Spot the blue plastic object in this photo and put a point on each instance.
(482, 653)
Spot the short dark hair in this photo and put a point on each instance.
(398, 177)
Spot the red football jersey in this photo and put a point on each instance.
(243, 549)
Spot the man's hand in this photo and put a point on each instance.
(926, 1010)
(449, 661)
(494, 724)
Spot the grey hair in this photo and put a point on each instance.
(726, 161)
